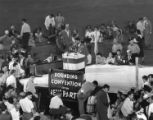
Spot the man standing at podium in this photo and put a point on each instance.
(66, 38)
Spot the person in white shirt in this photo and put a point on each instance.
(140, 26)
(56, 102)
(145, 80)
(49, 20)
(27, 106)
(147, 32)
(59, 20)
(127, 107)
(11, 80)
(56, 105)
(96, 35)
(25, 33)
(89, 34)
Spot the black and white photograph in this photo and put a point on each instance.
(76, 60)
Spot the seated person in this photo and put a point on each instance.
(134, 48)
(110, 59)
(116, 46)
(56, 106)
(129, 59)
(100, 59)
(118, 58)
(89, 59)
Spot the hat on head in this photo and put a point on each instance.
(6, 32)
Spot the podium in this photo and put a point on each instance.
(73, 61)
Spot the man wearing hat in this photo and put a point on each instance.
(134, 48)
(102, 104)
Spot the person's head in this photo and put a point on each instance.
(29, 55)
(29, 95)
(67, 26)
(129, 53)
(21, 55)
(119, 94)
(150, 77)
(95, 83)
(118, 52)
(95, 28)
(130, 95)
(10, 100)
(24, 20)
(59, 14)
(131, 41)
(141, 19)
(145, 18)
(37, 118)
(145, 78)
(52, 15)
(3, 107)
(6, 32)
(4, 68)
(59, 94)
(22, 94)
(12, 27)
(115, 41)
(110, 54)
(106, 88)
(138, 32)
(12, 72)
(32, 79)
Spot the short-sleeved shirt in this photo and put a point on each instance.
(55, 103)
(26, 105)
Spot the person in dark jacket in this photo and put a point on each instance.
(140, 40)
(102, 103)
(4, 113)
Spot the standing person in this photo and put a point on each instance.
(11, 80)
(128, 105)
(49, 21)
(102, 103)
(140, 26)
(96, 35)
(66, 38)
(25, 33)
(140, 40)
(5, 41)
(83, 94)
(57, 107)
(59, 20)
(147, 32)
(134, 48)
(27, 106)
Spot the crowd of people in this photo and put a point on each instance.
(16, 62)
(131, 105)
